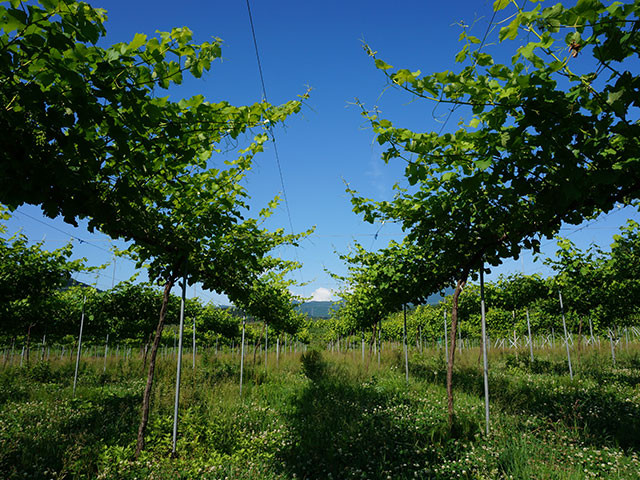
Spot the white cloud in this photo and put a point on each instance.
(322, 295)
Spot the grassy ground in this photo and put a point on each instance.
(328, 416)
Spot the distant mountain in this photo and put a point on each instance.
(316, 309)
(75, 283)
(322, 309)
(436, 298)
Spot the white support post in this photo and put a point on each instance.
(446, 340)
(193, 345)
(485, 360)
(406, 347)
(106, 351)
(244, 321)
(613, 350)
(530, 339)
(75, 375)
(174, 440)
(566, 336)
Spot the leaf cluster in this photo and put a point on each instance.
(545, 145)
(88, 137)
(29, 278)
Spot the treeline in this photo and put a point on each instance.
(37, 302)
(600, 290)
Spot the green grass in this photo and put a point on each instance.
(327, 416)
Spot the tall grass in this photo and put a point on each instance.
(326, 415)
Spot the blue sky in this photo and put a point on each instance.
(318, 45)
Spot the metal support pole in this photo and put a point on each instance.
(613, 351)
(404, 341)
(566, 336)
(179, 367)
(75, 375)
(244, 321)
(485, 360)
(626, 336)
(106, 351)
(530, 339)
(446, 341)
(379, 340)
(193, 345)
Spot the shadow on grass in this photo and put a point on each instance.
(346, 429)
(600, 412)
(40, 438)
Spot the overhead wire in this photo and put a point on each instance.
(271, 131)
(266, 99)
(482, 42)
(375, 235)
(94, 275)
(268, 127)
(81, 240)
(588, 225)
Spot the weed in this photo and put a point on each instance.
(352, 420)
